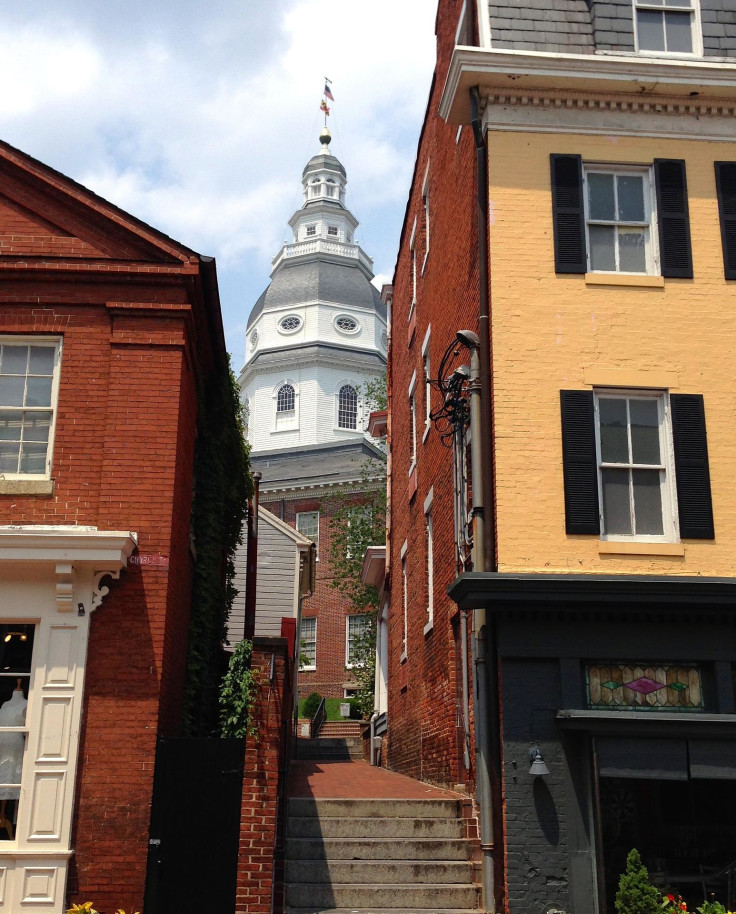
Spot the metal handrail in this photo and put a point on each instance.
(317, 720)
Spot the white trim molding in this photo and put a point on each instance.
(50, 580)
(520, 73)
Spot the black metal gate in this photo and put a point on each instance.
(195, 824)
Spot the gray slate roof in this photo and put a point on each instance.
(323, 464)
(319, 280)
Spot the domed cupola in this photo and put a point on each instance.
(324, 215)
(317, 334)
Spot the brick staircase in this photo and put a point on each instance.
(393, 855)
(340, 728)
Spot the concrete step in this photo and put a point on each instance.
(312, 910)
(378, 872)
(332, 729)
(438, 897)
(372, 848)
(379, 809)
(333, 749)
(373, 827)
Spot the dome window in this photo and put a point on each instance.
(254, 339)
(290, 324)
(346, 324)
(332, 230)
(330, 188)
(285, 399)
(347, 407)
(311, 231)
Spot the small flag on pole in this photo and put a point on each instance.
(323, 107)
(328, 93)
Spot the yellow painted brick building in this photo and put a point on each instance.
(597, 476)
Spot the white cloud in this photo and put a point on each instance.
(202, 128)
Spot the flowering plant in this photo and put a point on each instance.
(672, 904)
(87, 908)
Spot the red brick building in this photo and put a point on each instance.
(107, 329)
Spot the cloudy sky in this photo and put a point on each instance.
(198, 117)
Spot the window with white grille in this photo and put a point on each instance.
(347, 407)
(308, 644)
(29, 380)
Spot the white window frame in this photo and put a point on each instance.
(358, 405)
(48, 342)
(651, 239)
(668, 490)
(350, 664)
(306, 517)
(696, 30)
(313, 640)
(412, 423)
(413, 269)
(426, 369)
(425, 205)
(429, 531)
(405, 594)
(286, 419)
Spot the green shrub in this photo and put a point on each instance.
(356, 710)
(311, 703)
(636, 894)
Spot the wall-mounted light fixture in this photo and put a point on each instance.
(538, 764)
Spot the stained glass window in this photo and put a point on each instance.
(644, 686)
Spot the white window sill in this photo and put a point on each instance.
(624, 279)
(290, 428)
(26, 486)
(307, 669)
(429, 626)
(629, 547)
(403, 657)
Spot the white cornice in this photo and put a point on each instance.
(519, 72)
(31, 544)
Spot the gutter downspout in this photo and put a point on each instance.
(251, 561)
(484, 548)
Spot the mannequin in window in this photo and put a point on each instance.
(12, 714)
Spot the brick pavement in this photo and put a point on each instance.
(357, 780)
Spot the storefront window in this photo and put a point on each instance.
(16, 650)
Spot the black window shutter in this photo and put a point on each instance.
(568, 213)
(694, 503)
(673, 218)
(579, 465)
(726, 188)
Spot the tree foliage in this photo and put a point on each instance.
(359, 521)
(238, 694)
(636, 894)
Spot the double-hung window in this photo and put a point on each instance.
(629, 219)
(356, 629)
(29, 380)
(634, 466)
(667, 26)
(618, 210)
(308, 643)
(307, 523)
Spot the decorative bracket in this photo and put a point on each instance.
(64, 587)
(100, 591)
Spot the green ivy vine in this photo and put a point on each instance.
(222, 486)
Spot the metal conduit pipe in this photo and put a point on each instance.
(484, 553)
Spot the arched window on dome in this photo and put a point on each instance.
(347, 407)
(331, 188)
(314, 187)
(285, 399)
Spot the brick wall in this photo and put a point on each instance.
(135, 337)
(424, 690)
(263, 779)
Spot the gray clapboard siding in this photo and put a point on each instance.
(277, 591)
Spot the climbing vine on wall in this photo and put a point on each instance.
(222, 487)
